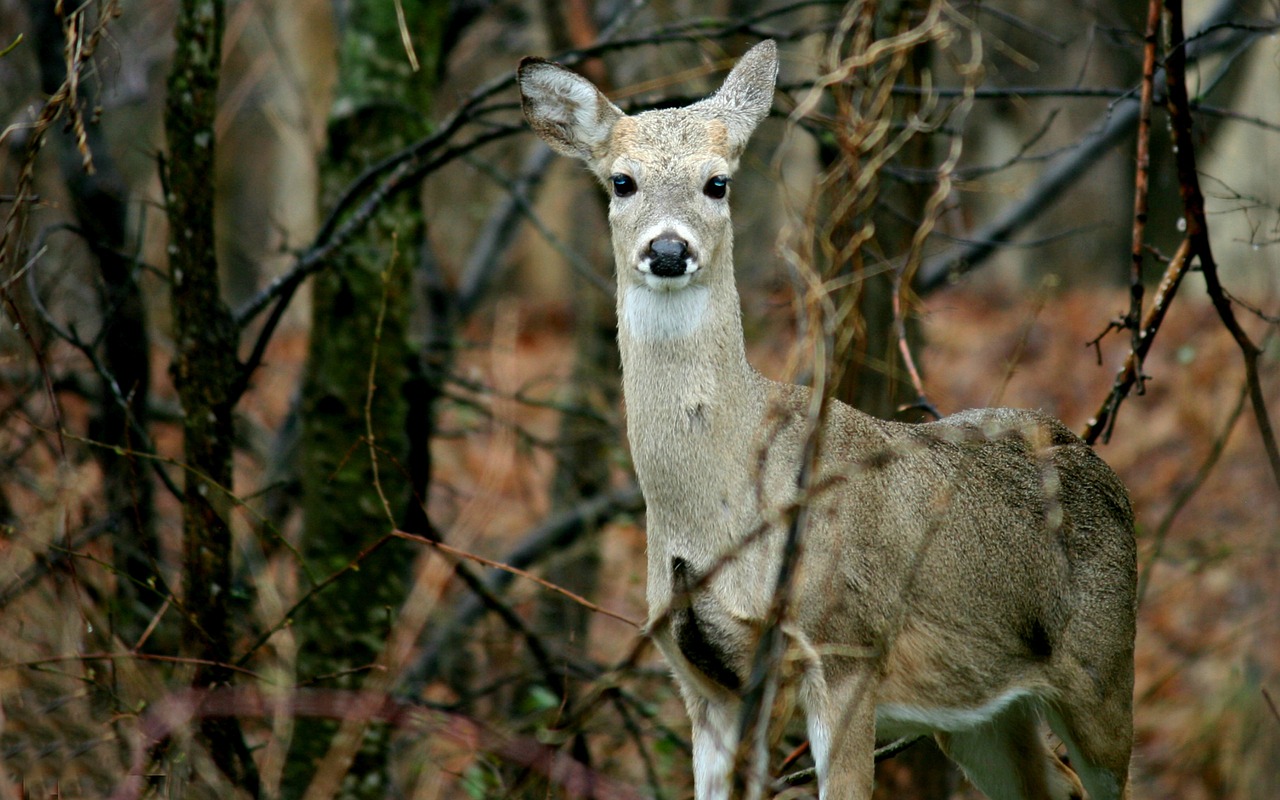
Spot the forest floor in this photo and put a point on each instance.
(1209, 624)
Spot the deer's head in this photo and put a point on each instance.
(667, 171)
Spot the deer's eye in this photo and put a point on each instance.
(716, 187)
(623, 185)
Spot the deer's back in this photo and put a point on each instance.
(993, 527)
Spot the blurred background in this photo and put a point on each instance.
(304, 330)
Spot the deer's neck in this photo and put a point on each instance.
(692, 400)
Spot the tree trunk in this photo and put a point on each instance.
(361, 306)
(205, 372)
(98, 201)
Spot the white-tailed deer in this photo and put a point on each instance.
(965, 578)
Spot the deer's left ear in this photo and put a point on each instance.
(566, 109)
(746, 96)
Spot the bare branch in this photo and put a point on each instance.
(1116, 125)
(499, 229)
(1198, 225)
(1143, 168)
(1104, 419)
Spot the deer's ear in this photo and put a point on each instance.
(565, 109)
(747, 94)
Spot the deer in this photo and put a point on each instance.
(971, 578)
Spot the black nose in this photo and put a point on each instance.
(668, 256)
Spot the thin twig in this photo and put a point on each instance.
(972, 74)
(81, 657)
(806, 776)
(286, 619)
(1133, 321)
(1271, 703)
(1047, 284)
(922, 401)
(552, 536)
(81, 42)
(497, 232)
(105, 376)
(1103, 421)
(46, 562)
(371, 380)
(488, 562)
(637, 737)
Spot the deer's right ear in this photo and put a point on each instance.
(565, 109)
(746, 96)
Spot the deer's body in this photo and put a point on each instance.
(960, 578)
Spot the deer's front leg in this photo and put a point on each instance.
(842, 735)
(715, 740)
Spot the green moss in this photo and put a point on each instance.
(360, 326)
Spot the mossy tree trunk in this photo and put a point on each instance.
(205, 372)
(355, 428)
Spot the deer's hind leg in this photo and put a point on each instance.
(1007, 759)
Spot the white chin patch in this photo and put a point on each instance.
(663, 313)
(660, 284)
